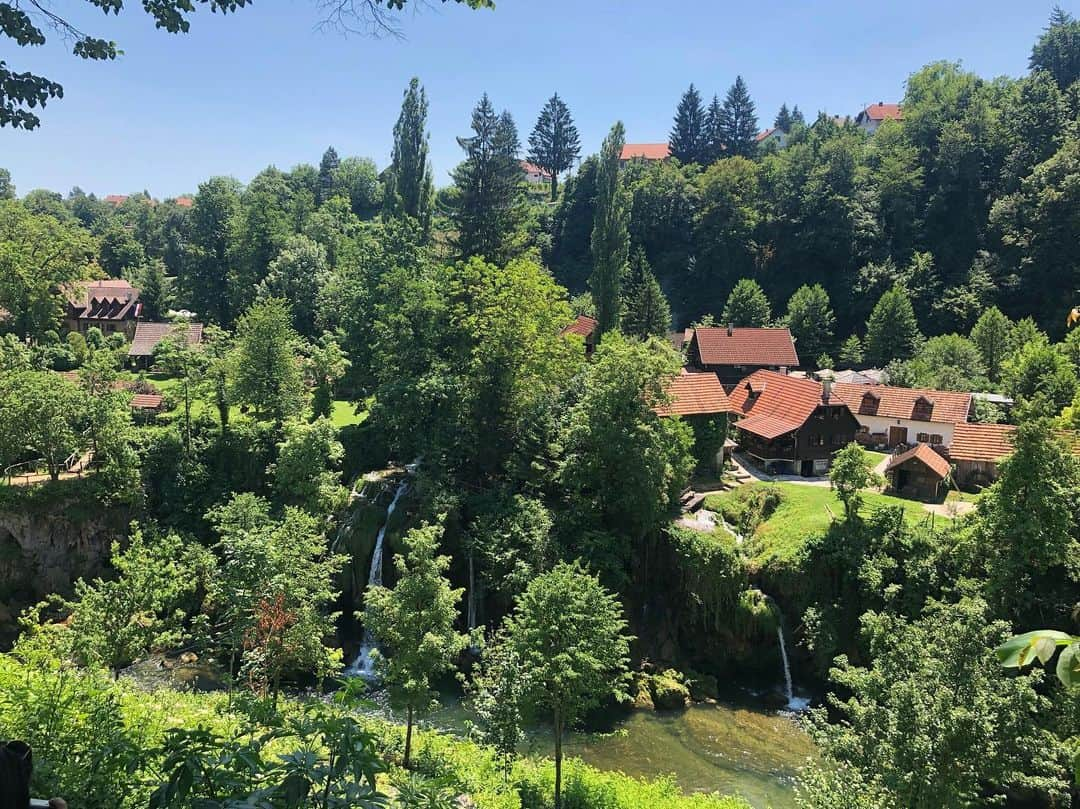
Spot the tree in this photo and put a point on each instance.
(610, 244)
(851, 351)
(490, 211)
(296, 275)
(567, 633)
(328, 167)
(990, 334)
(738, 122)
(498, 691)
(1040, 378)
(892, 331)
(811, 320)
(357, 180)
(409, 189)
(21, 92)
(712, 148)
(206, 269)
(7, 188)
(42, 416)
(645, 309)
(1058, 49)
(747, 305)
(306, 473)
(687, 141)
(852, 471)
(118, 251)
(554, 144)
(265, 222)
(414, 624)
(180, 359)
(154, 290)
(784, 120)
(267, 373)
(328, 365)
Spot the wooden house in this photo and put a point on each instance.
(919, 473)
(699, 399)
(585, 328)
(733, 353)
(112, 305)
(976, 451)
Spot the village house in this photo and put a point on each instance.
(891, 416)
(789, 425)
(772, 136)
(876, 114)
(919, 473)
(585, 328)
(148, 335)
(733, 352)
(112, 305)
(699, 399)
(644, 151)
(534, 175)
(976, 450)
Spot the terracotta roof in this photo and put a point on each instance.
(583, 326)
(946, 407)
(981, 442)
(929, 458)
(647, 151)
(694, 394)
(106, 299)
(746, 346)
(184, 202)
(764, 134)
(884, 112)
(148, 335)
(782, 403)
(532, 168)
(116, 199)
(146, 401)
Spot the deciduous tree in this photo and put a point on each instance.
(409, 188)
(610, 243)
(747, 305)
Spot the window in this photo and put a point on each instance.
(936, 439)
(839, 439)
(817, 440)
(869, 404)
(922, 438)
(923, 409)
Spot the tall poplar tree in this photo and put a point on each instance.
(491, 208)
(687, 140)
(327, 167)
(610, 236)
(408, 185)
(554, 144)
(738, 121)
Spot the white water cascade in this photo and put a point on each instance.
(472, 595)
(363, 666)
(793, 703)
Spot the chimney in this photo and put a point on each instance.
(729, 327)
(826, 388)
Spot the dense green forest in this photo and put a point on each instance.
(368, 337)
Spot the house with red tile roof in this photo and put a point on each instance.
(644, 151)
(184, 202)
(148, 335)
(790, 425)
(699, 399)
(977, 449)
(892, 416)
(920, 473)
(876, 114)
(771, 136)
(111, 304)
(732, 353)
(116, 199)
(534, 175)
(585, 328)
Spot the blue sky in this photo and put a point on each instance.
(264, 86)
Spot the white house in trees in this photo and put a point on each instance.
(891, 416)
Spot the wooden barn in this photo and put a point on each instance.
(919, 473)
(976, 451)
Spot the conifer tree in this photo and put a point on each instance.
(811, 320)
(1058, 49)
(687, 141)
(327, 167)
(712, 149)
(610, 237)
(645, 309)
(784, 119)
(892, 332)
(796, 116)
(738, 121)
(554, 144)
(491, 210)
(409, 189)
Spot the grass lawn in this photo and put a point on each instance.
(876, 457)
(804, 511)
(343, 414)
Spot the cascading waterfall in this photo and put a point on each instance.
(793, 703)
(472, 595)
(363, 666)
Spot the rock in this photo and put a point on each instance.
(703, 687)
(668, 691)
(187, 658)
(643, 697)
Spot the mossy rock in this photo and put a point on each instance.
(668, 690)
(703, 687)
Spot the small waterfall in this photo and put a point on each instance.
(793, 703)
(471, 612)
(363, 666)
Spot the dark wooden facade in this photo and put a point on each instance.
(808, 450)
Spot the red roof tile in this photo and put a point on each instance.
(532, 168)
(946, 407)
(694, 394)
(145, 401)
(184, 202)
(646, 151)
(782, 403)
(764, 134)
(148, 335)
(746, 346)
(981, 442)
(884, 112)
(928, 457)
(116, 199)
(583, 326)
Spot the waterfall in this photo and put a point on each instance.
(793, 703)
(472, 595)
(363, 666)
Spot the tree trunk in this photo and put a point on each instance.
(554, 185)
(558, 758)
(408, 737)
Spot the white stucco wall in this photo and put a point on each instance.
(881, 424)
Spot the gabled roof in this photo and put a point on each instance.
(532, 168)
(583, 326)
(982, 442)
(146, 401)
(946, 406)
(107, 299)
(930, 459)
(646, 151)
(765, 133)
(184, 202)
(883, 112)
(116, 199)
(745, 346)
(694, 394)
(775, 403)
(148, 335)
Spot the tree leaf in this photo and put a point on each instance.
(1018, 651)
(1068, 667)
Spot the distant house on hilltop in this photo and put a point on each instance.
(876, 114)
(733, 352)
(534, 175)
(116, 199)
(111, 304)
(644, 151)
(772, 135)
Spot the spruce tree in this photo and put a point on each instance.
(687, 141)
(154, 290)
(783, 120)
(610, 237)
(645, 309)
(892, 332)
(554, 144)
(712, 148)
(409, 189)
(1058, 49)
(490, 211)
(796, 116)
(327, 168)
(738, 121)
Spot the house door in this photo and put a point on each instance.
(897, 435)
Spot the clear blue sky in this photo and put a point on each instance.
(263, 86)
